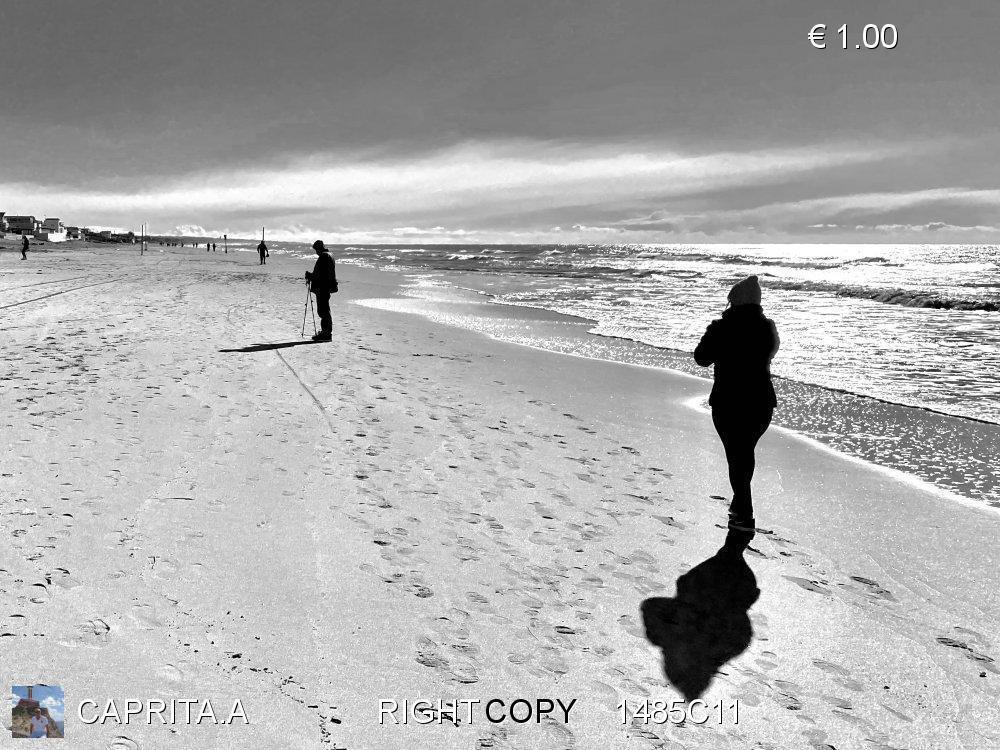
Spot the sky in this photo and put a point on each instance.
(407, 121)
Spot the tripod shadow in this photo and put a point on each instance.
(269, 347)
(706, 625)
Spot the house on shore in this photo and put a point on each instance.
(22, 224)
(51, 230)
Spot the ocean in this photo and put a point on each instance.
(864, 329)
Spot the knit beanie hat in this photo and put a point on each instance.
(746, 292)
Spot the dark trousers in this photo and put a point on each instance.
(323, 308)
(262, 259)
(740, 429)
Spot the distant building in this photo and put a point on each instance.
(3, 222)
(22, 224)
(51, 230)
(73, 233)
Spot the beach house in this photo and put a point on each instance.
(22, 224)
(51, 230)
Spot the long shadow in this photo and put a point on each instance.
(706, 625)
(268, 347)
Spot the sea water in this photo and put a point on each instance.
(914, 325)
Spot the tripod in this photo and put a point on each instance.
(309, 306)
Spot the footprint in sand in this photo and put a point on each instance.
(839, 674)
(767, 661)
(873, 588)
(94, 632)
(123, 743)
(431, 654)
(670, 521)
(61, 577)
(818, 587)
(38, 593)
(172, 672)
(163, 567)
(146, 618)
(984, 661)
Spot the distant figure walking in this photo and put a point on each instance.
(323, 282)
(213, 247)
(262, 251)
(741, 345)
(24, 247)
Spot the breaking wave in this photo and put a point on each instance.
(905, 297)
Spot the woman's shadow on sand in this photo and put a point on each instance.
(706, 625)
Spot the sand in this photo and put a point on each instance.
(416, 511)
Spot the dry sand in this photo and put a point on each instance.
(418, 511)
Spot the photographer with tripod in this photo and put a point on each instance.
(323, 282)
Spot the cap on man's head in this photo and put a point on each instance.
(318, 245)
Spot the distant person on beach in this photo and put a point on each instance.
(213, 247)
(24, 247)
(741, 345)
(262, 251)
(323, 282)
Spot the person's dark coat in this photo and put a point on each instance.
(323, 279)
(741, 345)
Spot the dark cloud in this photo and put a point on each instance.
(127, 96)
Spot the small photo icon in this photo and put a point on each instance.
(37, 712)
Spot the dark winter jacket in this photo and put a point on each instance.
(323, 279)
(740, 345)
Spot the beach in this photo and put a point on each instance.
(419, 511)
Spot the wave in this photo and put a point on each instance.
(750, 260)
(904, 297)
(874, 259)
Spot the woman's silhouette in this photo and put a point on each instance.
(741, 345)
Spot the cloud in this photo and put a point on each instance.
(472, 179)
(847, 215)
(540, 191)
(933, 226)
(190, 230)
(54, 706)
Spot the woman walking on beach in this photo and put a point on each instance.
(741, 345)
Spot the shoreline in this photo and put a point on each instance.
(961, 442)
(492, 298)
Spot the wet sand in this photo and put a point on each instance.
(418, 511)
